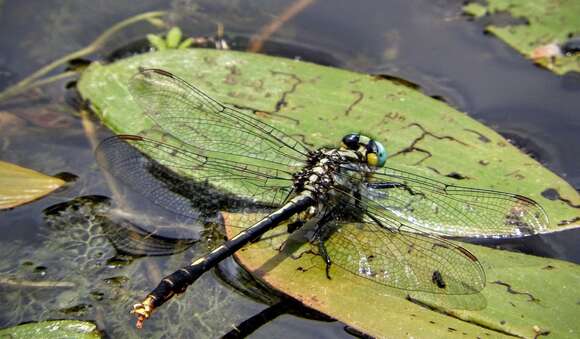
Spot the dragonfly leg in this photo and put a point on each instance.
(324, 254)
(319, 237)
(295, 225)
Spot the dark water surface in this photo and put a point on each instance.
(427, 42)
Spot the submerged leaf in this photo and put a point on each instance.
(53, 329)
(19, 185)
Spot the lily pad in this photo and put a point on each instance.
(19, 185)
(475, 9)
(318, 105)
(547, 23)
(53, 329)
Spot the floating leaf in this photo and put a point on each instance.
(304, 99)
(19, 185)
(56, 329)
(547, 22)
(475, 9)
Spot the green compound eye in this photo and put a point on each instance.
(376, 154)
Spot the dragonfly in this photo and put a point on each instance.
(388, 224)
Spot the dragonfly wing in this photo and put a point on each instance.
(402, 258)
(447, 209)
(177, 179)
(191, 116)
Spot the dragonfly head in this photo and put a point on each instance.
(372, 151)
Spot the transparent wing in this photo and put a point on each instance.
(187, 183)
(365, 239)
(181, 183)
(447, 209)
(189, 115)
(400, 257)
(203, 157)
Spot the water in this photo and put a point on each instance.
(427, 42)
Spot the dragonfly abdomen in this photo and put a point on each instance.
(178, 281)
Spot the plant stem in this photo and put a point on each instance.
(31, 80)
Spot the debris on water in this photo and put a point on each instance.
(546, 51)
(571, 47)
(553, 49)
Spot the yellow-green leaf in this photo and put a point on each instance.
(475, 9)
(185, 43)
(173, 37)
(19, 185)
(157, 42)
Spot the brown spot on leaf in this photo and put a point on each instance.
(394, 116)
(510, 290)
(358, 98)
(414, 145)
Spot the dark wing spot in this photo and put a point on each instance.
(438, 279)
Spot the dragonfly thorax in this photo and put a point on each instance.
(319, 174)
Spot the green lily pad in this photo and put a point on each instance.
(318, 105)
(19, 185)
(53, 329)
(304, 100)
(548, 22)
(475, 9)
